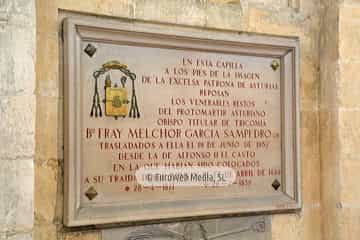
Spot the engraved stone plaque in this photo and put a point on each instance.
(250, 228)
(166, 122)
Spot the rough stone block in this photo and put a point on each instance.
(20, 236)
(349, 132)
(17, 14)
(349, 223)
(311, 219)
(329, 172)
(266, 21)
(310, 156)
(45, 231)
(349, 33)
(186, 12)
(309, 84)
(328, 90)
(291, 231)
(17, 185)
(226, 1)
(47, 184)
(349, 10)
(47, 78)
(349, 180)
(17, 50)
(46, 17)
(348, 84)
(225, 16)
(49, 129)
(17, 127)
(114, 8)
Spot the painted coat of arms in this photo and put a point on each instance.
(116, 94)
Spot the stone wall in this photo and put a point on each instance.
(348, 89)
(278, 17)
(339, 111)
(17, 118)
(329, 76)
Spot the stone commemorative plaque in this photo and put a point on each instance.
(249, 228)
(168, 122)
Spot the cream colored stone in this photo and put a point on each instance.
(329, 41)
(329, 223)
(310, 157)
(44, 230)
(185, 12)
(20, 236)
(329, 56)
(328, 89)
(349, 181)
(328, 103)
(309, 84)
(48, 83)
(329, 155)
(17, 47)
(17, 127)
(349, 36)
(224, 16)
(46, 194)
(16, 236)
(311, 218)
(349, 131)
(291, 231)
(82, 236)
(260, 21)
(17, 117)
(226, 1)
(349, 85)
(16, 202)
(329, 173)
(350, 222)
(348, 2)
(17, 72)
(114, 8)
(349, 32)
(46, 17)
(160, 11)
(349, 11)
(49, 136)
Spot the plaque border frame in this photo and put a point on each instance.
(90, 28)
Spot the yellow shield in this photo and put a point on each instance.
(116, 102)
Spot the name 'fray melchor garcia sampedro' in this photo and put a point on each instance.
(165, 133)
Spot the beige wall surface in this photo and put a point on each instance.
(348, 114)
(329, 39)
(276, 17)
(17, 118)
(339, 118)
